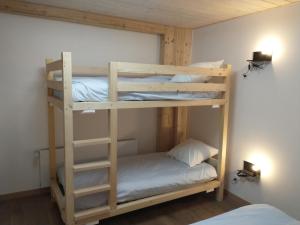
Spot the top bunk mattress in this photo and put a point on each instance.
(141, 176)
(95, 89)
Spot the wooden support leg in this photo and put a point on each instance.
(222, 156)
(51, 133)
(68, 134)
(223, 141)
(113, 132)
(113, 120)
(52, 148)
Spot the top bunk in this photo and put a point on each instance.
(133, 85)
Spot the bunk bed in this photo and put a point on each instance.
(124, 86)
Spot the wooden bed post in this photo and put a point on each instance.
(68, 137)
(51, 131)
(113, 132)
(223, 138)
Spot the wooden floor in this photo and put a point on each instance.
(39, 210)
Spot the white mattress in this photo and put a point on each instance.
(259, 214)
(141, 176)
(95, 89)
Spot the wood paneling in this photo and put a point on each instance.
(77, 16)
(176, 49)
(189, 14)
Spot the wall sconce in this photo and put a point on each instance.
(250, 171)
(258, 62)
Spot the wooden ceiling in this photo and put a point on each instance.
(181, 13)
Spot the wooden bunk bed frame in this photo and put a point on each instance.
(67, 106)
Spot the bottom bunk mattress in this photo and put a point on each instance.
(139, 177)
(95, 89)
(258, 214)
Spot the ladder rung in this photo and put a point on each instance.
(91, 190)
(91, 142)
(91, 212)
(91, 166)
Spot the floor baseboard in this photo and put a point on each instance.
(25, 194)
(45, 191)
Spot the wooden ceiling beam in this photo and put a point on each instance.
(81, 17)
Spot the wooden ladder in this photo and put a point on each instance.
(110, 164)
(71, 217)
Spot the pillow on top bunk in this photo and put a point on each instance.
(181, 78)
(192, 152)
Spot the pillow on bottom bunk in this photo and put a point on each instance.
(192, 152)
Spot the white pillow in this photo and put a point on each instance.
(193, 78)
(192, 152)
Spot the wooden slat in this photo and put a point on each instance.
(112, 81)
(174, 87)
(155, 69)
(143, 104)
(54, 66)
(142, 203)
(89, 71)
(56, 85)
(91, 142)
(91, 213)
(98, 71)
(79, 106)
(56, 102)
(78, 16)
(146, 202)
(91, 190)
(91, 166)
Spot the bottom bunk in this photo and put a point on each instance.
(143, 180)
(140, 176)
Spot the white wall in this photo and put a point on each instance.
(265, 107)
(24, 44)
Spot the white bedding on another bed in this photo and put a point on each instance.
(95, 89)
(141, 176)
(259, 214)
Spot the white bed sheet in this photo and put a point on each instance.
(258, 214)
(95, 89)
(141, 176)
